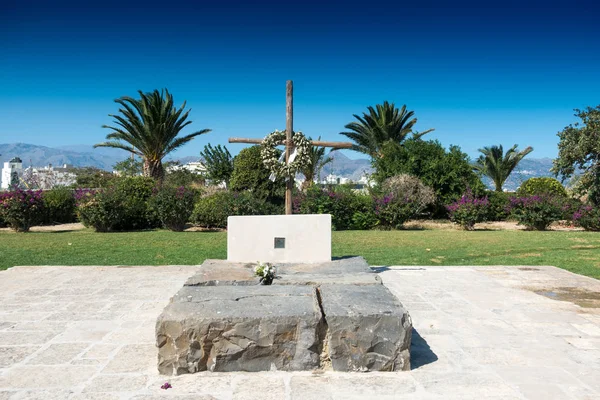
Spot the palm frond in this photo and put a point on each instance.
(380, 124)
(118, 145)
(497, 165)
(149, 126)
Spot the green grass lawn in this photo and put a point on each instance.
(574, 251)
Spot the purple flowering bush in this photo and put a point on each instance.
(394, 210)
(404, 196)
(21, 209)
(469, 210)
(536, 212)
(3, 222)
(174, 206)
(587, 217)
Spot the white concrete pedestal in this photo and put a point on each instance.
(279, 238)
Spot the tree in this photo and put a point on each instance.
(498, 166)
(218, 163)
(129, 167)
(579, 149)
(317, 162)
(448, 172)
(249, 173)
(149, 127)
(183, 177)
(92, 178)
(382, 124)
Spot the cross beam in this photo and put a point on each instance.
(289, 129)
(318, 143)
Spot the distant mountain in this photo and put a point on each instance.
(39, 156)
(186, 159)
(346, 167)
(85, 148)
(342, 165)
(76, 155)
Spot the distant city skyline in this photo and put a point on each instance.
(480, 76)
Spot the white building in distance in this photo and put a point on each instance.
(48, 177)
(45, 178)
(11, 173)
(332, 179)
(194, 167)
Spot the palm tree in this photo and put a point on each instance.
(496, 165)
(317, 162)
(149, 127)
(383, 123)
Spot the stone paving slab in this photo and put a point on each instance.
(480, 333)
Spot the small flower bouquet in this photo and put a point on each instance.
(266, 273)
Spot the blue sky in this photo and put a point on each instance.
(478, 75)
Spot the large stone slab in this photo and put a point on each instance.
(332, 315)
(240, 328)
(368, 329)
(351, 271)
(305, 238)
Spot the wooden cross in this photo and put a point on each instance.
(289, 144)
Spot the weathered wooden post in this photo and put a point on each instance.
(289, 129)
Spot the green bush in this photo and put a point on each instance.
(448, 172)
(59, 206)
(212, 211)
(174, 206)
(93, 178)
(249, 173)
(134, 193)
(21, 209)
(536, 212)
(349, 210)
(363, 216)
(587, 217)
(101, 210)
(469, 210)
(122, 206)
(498, 209)
(542, 186)
(183, 177)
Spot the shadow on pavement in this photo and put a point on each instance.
(386, 268)
(420, 352)
(342, 257)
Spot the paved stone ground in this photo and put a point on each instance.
(480, 333)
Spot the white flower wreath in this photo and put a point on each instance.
(298, 160)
